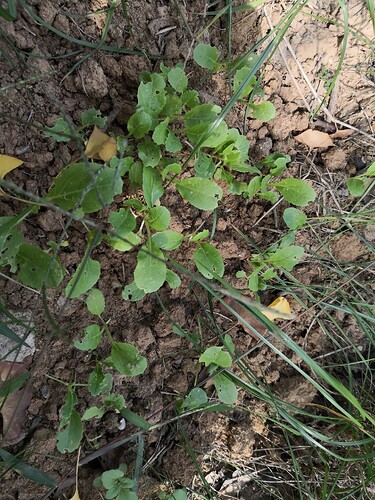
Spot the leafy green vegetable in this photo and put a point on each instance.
(295, 191)
(294, 218)
(93, 337)
(127, 360)
(151, 270)
(37, 268)
(201, 193)
(209, 261)
(85, 277)
(206, 56)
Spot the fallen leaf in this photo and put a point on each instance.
(7, 164)
(341, 134)
(278, 309)
(14, 405)
(314, 139)
(101, 146)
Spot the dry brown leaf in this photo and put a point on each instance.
(314, 139)
(101, 146)
(341, 134)
(13, 407)
(7, 164)
(279, 308)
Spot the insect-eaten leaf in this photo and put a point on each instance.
(101, 146)
(314, 139)
(14, 400)
(7, 164)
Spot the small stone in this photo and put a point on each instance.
(94, 81)
(335, 159)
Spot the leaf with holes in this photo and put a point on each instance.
(84, 278)
(99, 381)
(149, 153)
(127, 360)
(61, 131)
(93, 116)
(38, 268)
(152, 95)
(11, 237)
(209, 261)
(93, 337)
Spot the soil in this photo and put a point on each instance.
(56, 77)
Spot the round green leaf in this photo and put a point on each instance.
(151, 270)
(196, 398)
(95, 302)
(265, 111)
(206, 56)
(91, 340)
(356, 186)
(295, 191)
(149, 153)
(159, 218)
(139, 124)
(294, 218)
(201, 193)
(209, 261)
(226, 389)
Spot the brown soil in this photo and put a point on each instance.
(108, 81)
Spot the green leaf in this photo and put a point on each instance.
(159, 218)
(34, 264)
(26, 470)
(159, 135)
(11, 238)
(265, 111)
(226, 389)
(294, 218)
(127, 360)
(152, 95)
(196, 398)
(209, 261)
(173, 143)
(254, 186)
(99, 382)
(71, 184)
(124, 243)
(135, 419)
(276, 162)
(115, 400)
(95, 302)
(239, 77)
(84, 278)
(356, 186)
(173, 279)
(206, 56)
(151, 270)
(216, 356)
(133, 293)
(93, 116)
(173, 106)
(370, 172)
(139, 124)
(190, 98)
(123, 221)
(61, 131)
(93, 412)
(69, 436)
(109, 477)
(177, 79)
(201, 193)
(152, 186)
(136, 175)
(149, 153)
(286, 258)
(204, 166)
(202, 235)
(171, 168)
(295, 191)
(203, 114)
(167, 240)
(93, 337)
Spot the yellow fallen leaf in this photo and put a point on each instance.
(279, 305)
(101, 146)
(7, 164)
(314, 139)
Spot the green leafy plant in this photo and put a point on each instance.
(357, 185)
(116, 484)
